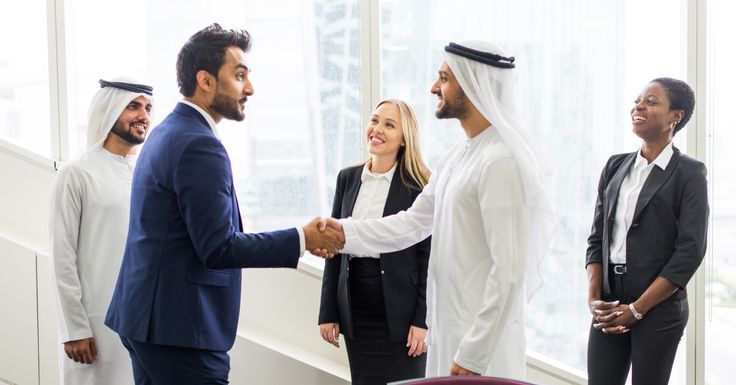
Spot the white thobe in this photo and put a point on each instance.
(473, 207)
(90, 208)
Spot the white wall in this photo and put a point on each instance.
(24, 199)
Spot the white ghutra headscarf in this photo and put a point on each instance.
(107, 105)
(485, 73)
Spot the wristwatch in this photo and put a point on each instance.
(636, 314)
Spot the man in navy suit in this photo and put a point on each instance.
(177, 299)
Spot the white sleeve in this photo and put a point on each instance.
(394, 232)
(504, 228)
(66, 212)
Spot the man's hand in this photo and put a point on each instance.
(458, 370)
(324, 243)
(415, 341)
(330, 332)
(82, 351)
(324, 223)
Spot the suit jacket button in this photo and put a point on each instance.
(634, 225)
(381, 271)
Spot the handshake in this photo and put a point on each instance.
(324, 237)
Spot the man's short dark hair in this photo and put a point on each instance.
(681, 97)
(205, 50)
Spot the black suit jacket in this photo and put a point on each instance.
(404, 272)
(667, 236)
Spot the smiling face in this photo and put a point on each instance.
(453, 103)
(384, 132)
(132, 125)
(651, 117)
(233, 86)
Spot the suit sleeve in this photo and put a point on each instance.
(328, 301)
(66, 216)
(203, 184)
(594, 253)
(692, 229)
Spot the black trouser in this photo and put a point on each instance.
(649, 348)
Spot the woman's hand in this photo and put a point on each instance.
(330, 332)
(599, 308)
(618, 320)
(415, 341)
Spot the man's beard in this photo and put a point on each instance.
(127, 135)
(227, 107)
(457, 108)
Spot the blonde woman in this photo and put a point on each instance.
(378, 303)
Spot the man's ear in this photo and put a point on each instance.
(205, 81)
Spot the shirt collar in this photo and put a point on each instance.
(662, 159)
(388, 175)
(207, 117)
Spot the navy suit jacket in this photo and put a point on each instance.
(669, 229)
(404, 279)
(180, 279)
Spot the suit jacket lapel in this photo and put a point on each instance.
(351, 192)
(654, 182)
(237, 210)
(612, 190)
(395, 196)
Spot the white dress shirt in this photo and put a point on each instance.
(372, 196)
(628, 196)
(213, 126)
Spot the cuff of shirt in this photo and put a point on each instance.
(302, 242)
(469, 364)
(351, 237)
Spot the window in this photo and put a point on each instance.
(24, 77)
(302, 123)
(720, 313)
(580, 65)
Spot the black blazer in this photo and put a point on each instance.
(667, 236)
(404, 272)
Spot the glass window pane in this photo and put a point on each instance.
(302, 123)
(720, 316)
(580, 65)
(24, 76)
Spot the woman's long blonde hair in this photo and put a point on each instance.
(409, 157)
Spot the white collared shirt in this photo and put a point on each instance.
(213, 126)
(628, 196)
(207, 117)
(372, 196)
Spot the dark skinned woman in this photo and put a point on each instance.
(647, 241)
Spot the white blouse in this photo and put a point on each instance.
(372, 196)
(628, 195)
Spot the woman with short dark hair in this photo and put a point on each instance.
(648, 239)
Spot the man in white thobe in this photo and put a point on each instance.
(90, 206)
(487, 211)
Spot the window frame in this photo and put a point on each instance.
(696, 69)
